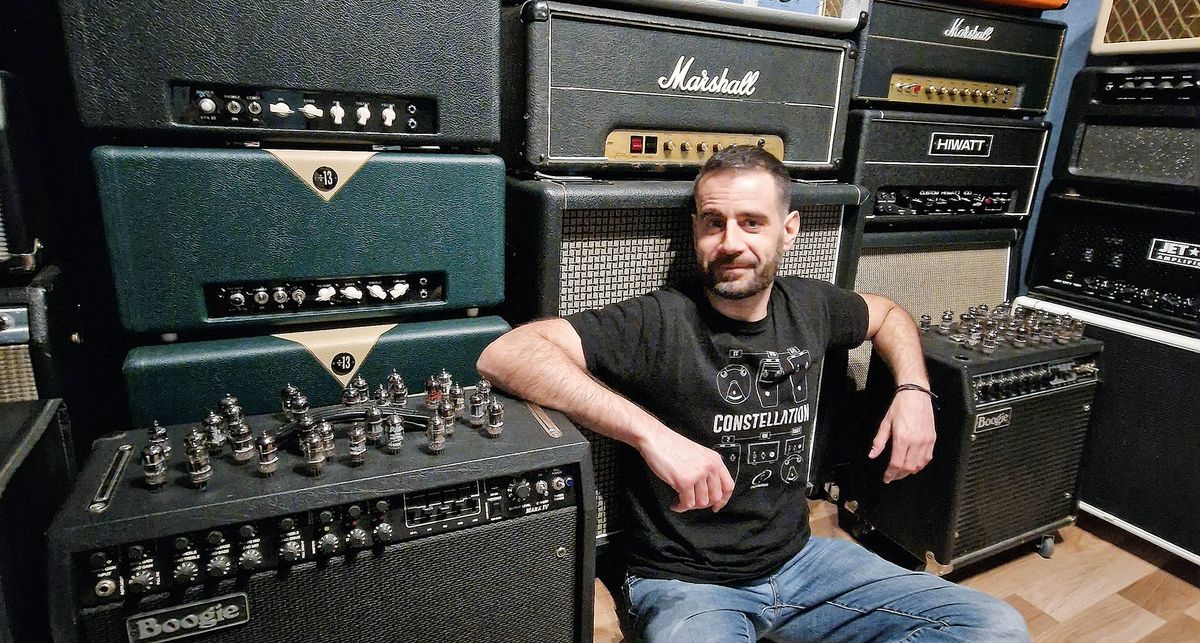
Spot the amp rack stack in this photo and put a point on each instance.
(1117, 242)
(610, 109)
(946, 132)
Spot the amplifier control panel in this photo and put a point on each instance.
(935, 90)
(1171, 304)
(254, 298)
(679, 147)
(291, 109)
(276, 543)
(1150, 86)
(934, 200)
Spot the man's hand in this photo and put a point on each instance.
(909, 426)
(695, 472)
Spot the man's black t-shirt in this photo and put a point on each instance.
(745, 389)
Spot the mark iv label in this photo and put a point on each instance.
(991, 420)
(952, 144)
(189, 620)
(1176, 253)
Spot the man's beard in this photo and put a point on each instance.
(764, 274)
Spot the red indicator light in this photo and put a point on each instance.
(635, 144)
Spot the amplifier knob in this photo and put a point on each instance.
(389, 116)
(352, 292)
(364, 114)
(702, 147)
(291, 551)
(383, 532)
(337, 112)
(140, 582)
(207, 105)
(281, 109)
(220, 566)
(312, 111)
(357, 538)
(377, 291)
(668, 145)
(186, 572)
(326, 293)
(250, 559)
(685, 146)
(329, 544)
(519, 490)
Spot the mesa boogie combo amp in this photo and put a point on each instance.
(400, 73)
(208, 238)
(1146, 408)
(1137, 126)
(577, 245)
(950, 57)
(172, 383)
(929, 271)
(1136, 261)
(606, 89)
(1015, 394)
(472, 528)
(21, 191)
(1135, 27)
(939, 169)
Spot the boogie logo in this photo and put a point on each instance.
(991, 420)
(189, 620)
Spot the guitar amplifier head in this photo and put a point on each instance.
(577, 245)
(21, 193)
(1135, 261)
(926, 169)
(27, 342)
(178, 382)
(607, 89)
(1015, 395)
(930, 272)
(1134, 127)
(407, 73)
(1136, 27)
(208, 238)
(487, 538)
(949, 57)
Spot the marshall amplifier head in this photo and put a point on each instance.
(20, 190)
(577, 245)
(1015, 394)
(1138, 262)
(399, 73)
(617, 90)
(943, 56)
(1134, 127)
(177, 382)
(1138, 27)
(202, 238)
(360, 522)
(939, 169)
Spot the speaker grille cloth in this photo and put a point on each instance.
(5, 254)
(1022, 478)
(497, 582)
(16, 374)
(929, 281)
(612, 255)
(1151, 20)
(1150, 154)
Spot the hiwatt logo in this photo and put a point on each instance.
(188, 620)
(968, 32)
(1179, 253)
(955, 144)
(997, 419)
(703, 83)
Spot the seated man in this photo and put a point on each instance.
(724, 553)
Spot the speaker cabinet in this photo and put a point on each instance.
(1146, 27)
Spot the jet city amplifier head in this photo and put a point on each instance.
(942, 56)
(1136, 261)
(455, 523)
(1136, 27)
(400, 73)
(1134, 127)
(618, 90)
(935, 169)
(206, 238)
(1015, 392)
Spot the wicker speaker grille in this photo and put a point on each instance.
(927, 281)
(1152, 20)
(612, 255)
(16, 374)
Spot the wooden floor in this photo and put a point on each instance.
(1102, 584)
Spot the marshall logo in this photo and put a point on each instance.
(702, 83)
(189, 620)
(948, 144)
(968, 32)
(1178, 253)
(997, 419)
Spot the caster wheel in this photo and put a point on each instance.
(1045, 547)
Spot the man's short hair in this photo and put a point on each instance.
(749, 157)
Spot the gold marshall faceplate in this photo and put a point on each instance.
(670, 147)
(935, 90)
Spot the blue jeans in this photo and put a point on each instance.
(833, 590)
